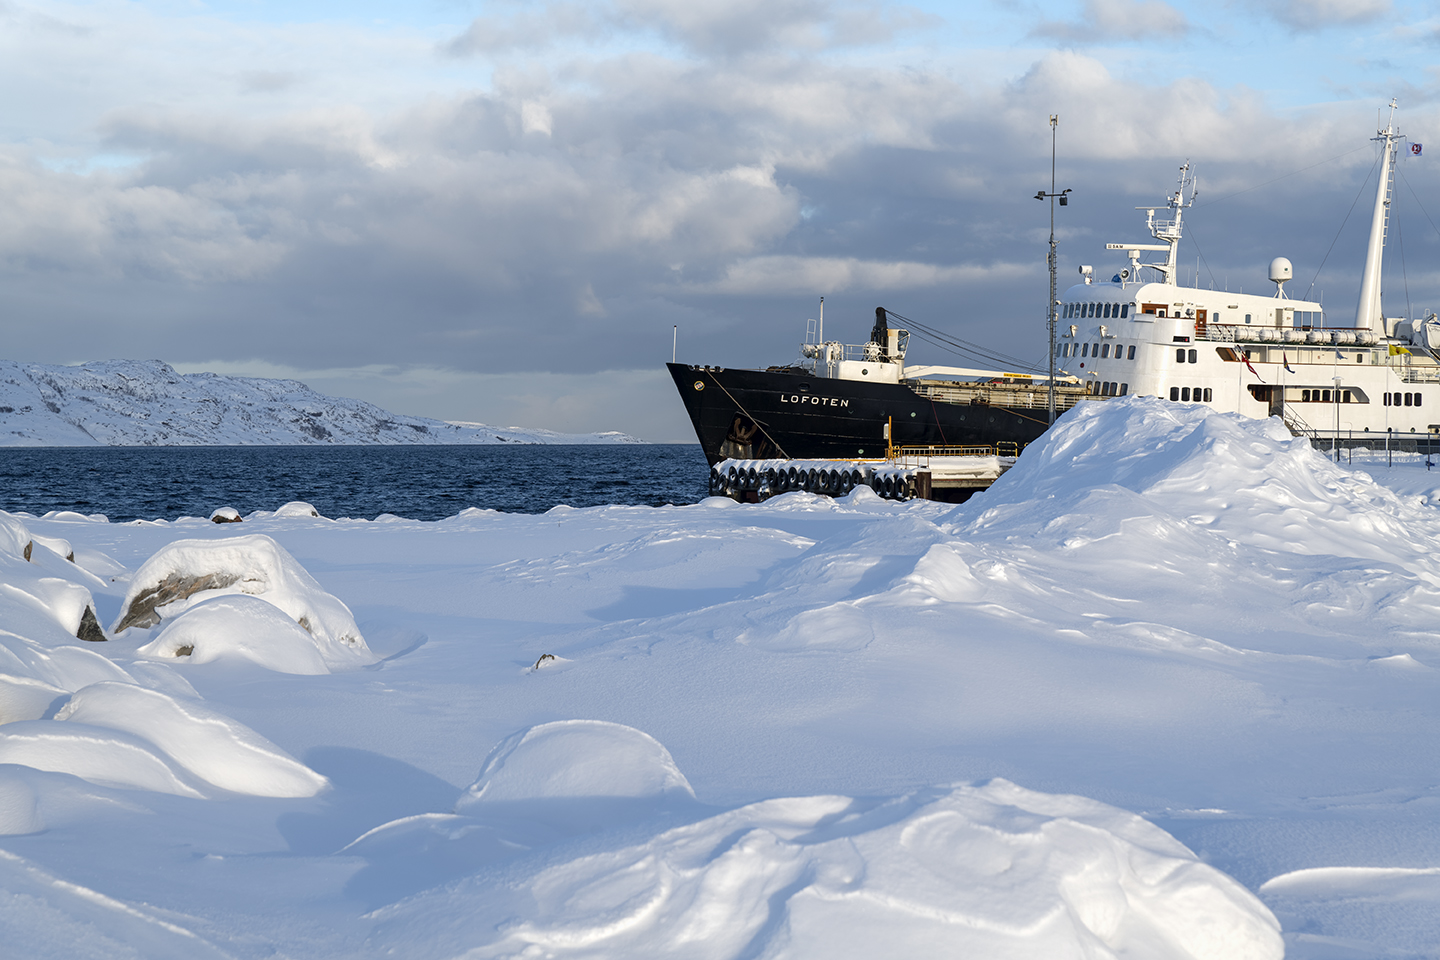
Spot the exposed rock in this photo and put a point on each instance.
(141, 611)
(29, 548)
(90, 627)
(226, 515)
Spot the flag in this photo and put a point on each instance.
(1339, 355)
(1396, 351)
(1287, 363)
(1415, 149)
(1252, 369)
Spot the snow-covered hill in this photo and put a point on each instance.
(146, 403)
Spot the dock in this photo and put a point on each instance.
(946, 474)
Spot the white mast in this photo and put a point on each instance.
(1164, 230)
(1369, 309)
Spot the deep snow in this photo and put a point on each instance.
(146, 403)
(1168, 649)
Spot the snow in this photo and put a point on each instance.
(1170, 688)
(146, 403)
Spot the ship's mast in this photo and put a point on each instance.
(1164, 230)
(1369, 310)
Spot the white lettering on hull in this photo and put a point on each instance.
(820, 401)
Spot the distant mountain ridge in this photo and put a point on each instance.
(147, 403)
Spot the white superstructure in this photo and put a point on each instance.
(1142, 333)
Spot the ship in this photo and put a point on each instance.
(1372, 379)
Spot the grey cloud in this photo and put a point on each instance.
(723, 28)
(1118, 20)
(1307, 15)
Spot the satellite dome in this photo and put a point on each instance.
(1281, 270)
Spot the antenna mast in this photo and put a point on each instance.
(1050, 313)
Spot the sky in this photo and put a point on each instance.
(512, 212)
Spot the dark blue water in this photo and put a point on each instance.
(419, 482)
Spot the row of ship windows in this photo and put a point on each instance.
(1186, 395)
(1106, 389)
(1401, 399)
(1325, 396)
(1104, 311)
(1100, 350)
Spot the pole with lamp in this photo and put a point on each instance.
(1052, 314)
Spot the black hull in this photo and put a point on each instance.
(755, 414)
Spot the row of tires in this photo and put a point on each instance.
(766, 481)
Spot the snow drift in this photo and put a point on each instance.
(990, 870)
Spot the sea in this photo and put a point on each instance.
(415, 482)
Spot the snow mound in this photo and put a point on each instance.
(188, 572)
(213, 747)
(15, 538)
(19, 811)
(296, 508)
(240, 628)
(984, 871)
(109, 758)
(576, 759)
(1246, 480)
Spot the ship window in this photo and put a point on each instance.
(1124, 389)
(1407, 399)
(1180, 355)
(1185, 394)
(1304, 396)
(1324, 396)
(1084, 349)
(1174, 393)
(1215, 317)
(1160, 312)
(1131, 352)
(1094, 349)
(1193, 357)
(1207, 394)
(1417, 399)
(1105, 352)
(1105, 388)
(1124, 310)
(1105, 311)
(1385, 399)
(1347, 397)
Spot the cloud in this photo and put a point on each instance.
(1308, 15)
(803, 275)
(1118, 20)
(723, 28)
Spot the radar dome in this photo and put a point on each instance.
(1281, 270)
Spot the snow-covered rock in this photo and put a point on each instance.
(145, 402)
(188, 572)
(238, 627)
